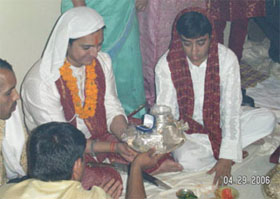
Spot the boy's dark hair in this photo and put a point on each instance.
(193, 25)
(4, 64)
(53, 149)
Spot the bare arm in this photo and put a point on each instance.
(114, 147)
(99, 146)
(77, 3)
(135, 189)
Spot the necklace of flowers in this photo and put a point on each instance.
(88, 110)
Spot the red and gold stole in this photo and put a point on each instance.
(181, 77)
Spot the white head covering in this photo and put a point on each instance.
(74, 23)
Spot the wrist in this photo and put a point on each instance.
(113, 147)
(136, 164)
(92, 144)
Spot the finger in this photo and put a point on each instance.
(128, 148)
(211, 171)
(107, 185)
(122, 150)
(118, 193)
(180, 167)
(132, 150)
(114, 189)
(216, 178)
(151, 152)
(102, 185)
(128, 154)
(221, 181)
(159, 156)
(128, 158)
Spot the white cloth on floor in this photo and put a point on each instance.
(196, 153)
(256, 123)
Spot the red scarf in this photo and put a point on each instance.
(96, 125)
(182, 81)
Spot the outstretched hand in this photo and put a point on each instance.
(125, 151)
(222, 169)
(141, 4)
(147, 160)
(113, 188)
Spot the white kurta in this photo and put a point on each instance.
(196, 153)
(14, 140)
(41, 99)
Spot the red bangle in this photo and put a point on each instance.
(112, 147)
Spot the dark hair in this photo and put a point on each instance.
(4, 64)
(53, 149)
(193, 25)
(71, 41)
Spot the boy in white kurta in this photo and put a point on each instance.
(199, 79)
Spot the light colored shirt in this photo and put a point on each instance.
(230, 99)
(36, 189)
(2, 170)
(41, 100)
(13, 137)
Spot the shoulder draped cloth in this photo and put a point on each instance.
(181, 77)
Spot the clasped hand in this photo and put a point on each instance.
(125, 151)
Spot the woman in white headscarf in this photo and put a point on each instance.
(121, 42)
(74, 82)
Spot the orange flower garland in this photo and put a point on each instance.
(88, 110)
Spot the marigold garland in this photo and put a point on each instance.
(91, 90)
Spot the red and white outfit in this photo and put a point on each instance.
(47, 98)
(204, 95)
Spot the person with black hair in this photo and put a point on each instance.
(8, 92)
(56, 165)
(200, 80)
(12, 154)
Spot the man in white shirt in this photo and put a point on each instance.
(199, 79)
(56, 166)
(12, 135)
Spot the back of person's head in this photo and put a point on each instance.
(53, 149)
(5, 65)
(193, 25)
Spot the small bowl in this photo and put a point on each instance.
(185, 194)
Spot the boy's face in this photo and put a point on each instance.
(196, 49)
